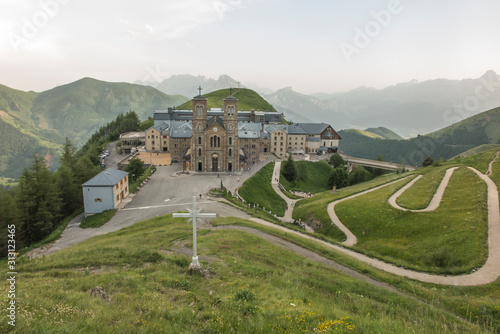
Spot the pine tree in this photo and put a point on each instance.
(9, 215)
(289, 169)
(338, 178)
(39, 202)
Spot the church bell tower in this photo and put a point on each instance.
(231, 126)
(198, 145)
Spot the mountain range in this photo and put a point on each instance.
(39, 121)
(410, 108)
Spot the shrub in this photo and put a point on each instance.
(245, 295)
(427, 162)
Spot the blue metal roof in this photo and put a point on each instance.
(108, 178)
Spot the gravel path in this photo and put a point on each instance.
(489, 273)
(436, 199)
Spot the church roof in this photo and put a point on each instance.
(108, 178)
(216, 119)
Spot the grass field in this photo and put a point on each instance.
(258, 190)
(317, 175)
(479, 161)
(98, 219)
(449, 240)
(419, 195)
(253, 286)
(313, 209)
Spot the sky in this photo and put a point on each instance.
(312, 46)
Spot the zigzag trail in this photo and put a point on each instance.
(486, 274)
(436, 199)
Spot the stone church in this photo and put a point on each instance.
(215, 144)
(227, 140)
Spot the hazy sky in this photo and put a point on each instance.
(313, 46)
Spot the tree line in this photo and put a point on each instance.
(42, 198)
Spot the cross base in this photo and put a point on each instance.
(195, 265)
(195, 262)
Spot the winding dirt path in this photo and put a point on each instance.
(490, 167)
(436, 199)
(489, 273)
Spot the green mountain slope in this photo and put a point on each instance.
(364, 133)
(475, 131)
(247, 100)
(385, 133)
(38, 122)
(78, 109)
(16, 103)
(482, 128)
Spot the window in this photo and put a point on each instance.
(230, 128)
(199, 127)
(117, 197)
(199, 140)
(211, 141)
(230, 140)
(199, 152)
(152, 142)
(116, 186)
(230, 152)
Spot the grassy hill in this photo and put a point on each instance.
(384, 133)
(247, 100)
(315, 180)
(136, 281)
(482, 128)
(365, 133)
(38, 122)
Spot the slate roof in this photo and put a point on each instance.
(181, 130)
(296, 129)
(313, 128)
(108, 178)
(249, 130)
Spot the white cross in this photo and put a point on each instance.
(193, 215)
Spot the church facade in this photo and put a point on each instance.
(225, 139)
